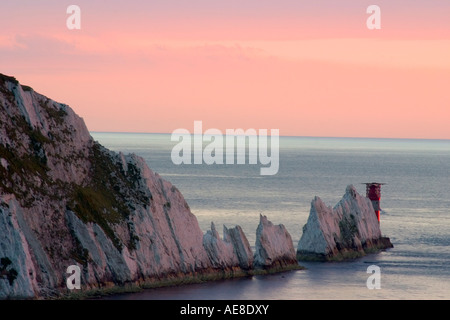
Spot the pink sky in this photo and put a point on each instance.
(306, 69)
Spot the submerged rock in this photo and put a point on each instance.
(274, 247)
(348, 230)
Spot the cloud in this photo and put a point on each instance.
(44, 54)
(368, 52)
(42, 45)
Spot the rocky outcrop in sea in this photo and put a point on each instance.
(348, 230)
(274, 247)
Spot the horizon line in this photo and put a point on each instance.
(292, 136)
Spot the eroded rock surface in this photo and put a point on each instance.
(274, 247)
(66, 200)
(350, 229)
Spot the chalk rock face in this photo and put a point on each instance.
(220, 252)
(231, 252)
(241, 246)
(274, 247)
(349, 229)
(66, 200)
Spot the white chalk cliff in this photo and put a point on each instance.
(66, 200)
(350, 229)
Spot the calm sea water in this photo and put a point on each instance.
(416, 216)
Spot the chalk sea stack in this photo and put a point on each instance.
(67, 200)
(350, 229)
(274, 247)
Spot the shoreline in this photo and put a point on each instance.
(345, 254)
(172, 280)
(210, 275)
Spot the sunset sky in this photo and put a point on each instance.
(307, 68)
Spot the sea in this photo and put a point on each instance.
(415, 201)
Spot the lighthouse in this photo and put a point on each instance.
(373, 192)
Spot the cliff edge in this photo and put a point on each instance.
(66, 200)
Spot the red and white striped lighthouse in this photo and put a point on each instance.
(373, 192)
